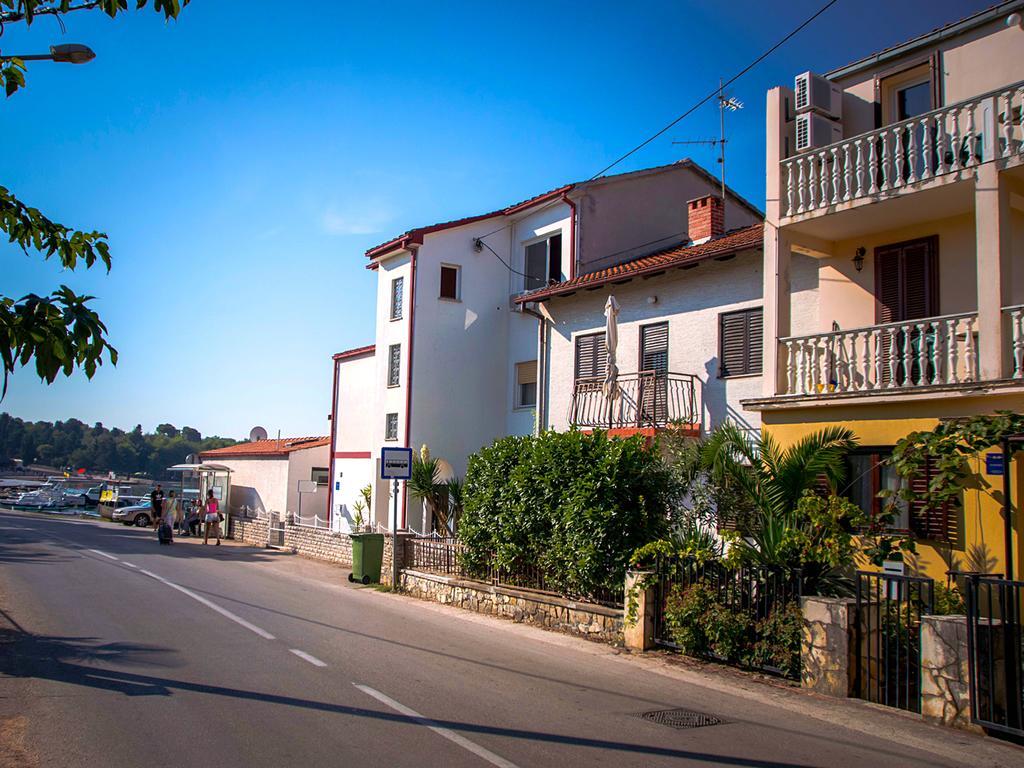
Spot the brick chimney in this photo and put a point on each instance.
(706, 218)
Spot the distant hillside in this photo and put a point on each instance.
(74, 445)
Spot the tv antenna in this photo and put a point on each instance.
(725, 104)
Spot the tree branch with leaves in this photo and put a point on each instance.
(60, 332)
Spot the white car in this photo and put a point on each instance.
(140, 515)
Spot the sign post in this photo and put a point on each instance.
(395, 464)
(305, 486)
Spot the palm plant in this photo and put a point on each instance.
(791, 527)
(425, 484)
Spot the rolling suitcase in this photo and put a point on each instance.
(164, 533)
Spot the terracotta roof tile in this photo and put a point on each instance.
(266, 448)
(416, 234)
(730, 243)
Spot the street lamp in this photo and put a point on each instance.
(69, 53)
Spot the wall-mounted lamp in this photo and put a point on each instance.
(478, 244)
(858, 258)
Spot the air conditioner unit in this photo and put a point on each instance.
(813, 131)
(816, 94)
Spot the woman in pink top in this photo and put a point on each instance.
(211, 518)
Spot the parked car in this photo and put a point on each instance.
(140, 515)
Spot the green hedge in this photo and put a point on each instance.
(575, 505)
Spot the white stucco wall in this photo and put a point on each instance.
(300, 465)
(356, 422)
(691, 301)
(258, 483)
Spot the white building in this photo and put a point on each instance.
(446, 301)
(689, 334)
(266, 476)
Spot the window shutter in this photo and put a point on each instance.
(449, 283)
(591, 356)
(936, 523)
(740, 339)
(654, 348)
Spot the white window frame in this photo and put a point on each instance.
(458, 282)
(544, 238)
(396, 310)
(392, 349)
(518, 405)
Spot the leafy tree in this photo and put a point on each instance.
(168, 430)
(59, 332)
(191, 435)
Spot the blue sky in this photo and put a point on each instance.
(243, 158)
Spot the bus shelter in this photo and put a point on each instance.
(211, 477)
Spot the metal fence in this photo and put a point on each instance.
(435, 554)
(996, 652)
(888, 637)
(753, 591)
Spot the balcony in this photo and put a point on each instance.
(926, 151)
(647, 399)
(895, 357)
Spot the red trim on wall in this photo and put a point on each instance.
(571, 272)
(334, 434)
(408, 368)
(351, 455)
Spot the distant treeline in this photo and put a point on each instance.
(74, 445)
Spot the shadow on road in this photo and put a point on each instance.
(72, 660)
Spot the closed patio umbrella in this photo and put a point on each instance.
(611, 334)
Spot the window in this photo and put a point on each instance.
(654, 360)
(394, 364)
(543, 262)
(906, 288)
(397, 286)
(591, 356)
(450, 288)
(391, 426)
(868, 474)
(526, 384)
(320, 475)
(739, 342)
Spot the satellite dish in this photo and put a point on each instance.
(257, 433)
(192, 458)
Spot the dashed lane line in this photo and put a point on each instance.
(211, 605)
(111, 557)
(308, 657)
(447, 733)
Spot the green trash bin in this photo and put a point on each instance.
(367, 556)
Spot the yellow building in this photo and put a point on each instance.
(902, 177)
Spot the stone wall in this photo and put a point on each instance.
(249, 530)
(594, 622)
(319, 544)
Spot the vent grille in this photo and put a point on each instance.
(803, 132)
(680, 718)
(803, 87)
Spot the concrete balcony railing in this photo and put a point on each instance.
(645, 399)
(1015, 316)
(889, 357)
(906, 156)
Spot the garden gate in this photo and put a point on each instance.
(888, 637)
(994, 643)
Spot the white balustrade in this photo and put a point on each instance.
(905, 155)
(893, 356)
(1016, 339)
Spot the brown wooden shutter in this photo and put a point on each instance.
(906, 280)
(591, 356)
(936, 523)
(449, 283)
(740, 339)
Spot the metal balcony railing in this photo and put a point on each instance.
(905, 154)
(645, 399)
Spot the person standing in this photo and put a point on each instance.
(211, 518)
(156, 501)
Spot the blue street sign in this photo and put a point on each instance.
(395, 463)
(994, 464)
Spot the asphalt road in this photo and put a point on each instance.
(115, 651)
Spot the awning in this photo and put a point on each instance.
(199, 468)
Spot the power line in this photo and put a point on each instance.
(478, 241)
(717, 90)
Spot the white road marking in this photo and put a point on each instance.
(125, 562)
(210, 604)
(308, 657)
(105, 554)
(462, 741)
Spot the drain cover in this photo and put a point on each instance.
(680, 718)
